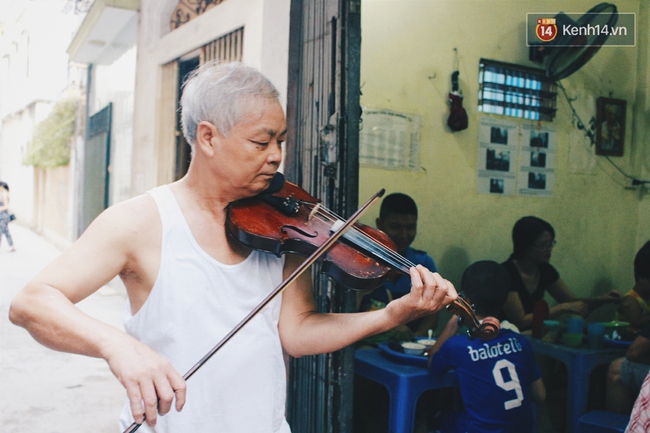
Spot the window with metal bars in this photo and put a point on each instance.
(516, 91)
(228, 48)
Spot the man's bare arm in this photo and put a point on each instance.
(305, 332)
(45, 307)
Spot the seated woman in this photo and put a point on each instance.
(533, 240)
(635, 305)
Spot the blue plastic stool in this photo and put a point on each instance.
(602, 421)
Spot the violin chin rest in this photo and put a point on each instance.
(276, 184)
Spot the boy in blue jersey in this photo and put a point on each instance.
(499, 379)
(398, 217)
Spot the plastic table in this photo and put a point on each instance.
(579, 361)
(405, 383)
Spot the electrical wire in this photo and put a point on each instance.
(590, 134)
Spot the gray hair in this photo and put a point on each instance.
(214, 92)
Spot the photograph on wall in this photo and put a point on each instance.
(498, 185)
(535, 183)
(498, 135)
(516, 159)
(493, 132)
(497, 157)
(538, 138)
(610, 126)
(537, 160)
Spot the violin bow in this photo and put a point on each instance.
(336, 234)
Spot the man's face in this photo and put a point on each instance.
(250, 155)
(400, 228)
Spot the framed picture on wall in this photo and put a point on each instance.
(610, 126)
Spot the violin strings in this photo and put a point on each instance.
(370, 244)
(379, 250)
(362, 239)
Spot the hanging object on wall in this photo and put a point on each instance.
(457, 119)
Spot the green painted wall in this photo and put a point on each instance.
(406, 63)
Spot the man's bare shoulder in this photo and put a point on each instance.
(139, 208)
(128, 220)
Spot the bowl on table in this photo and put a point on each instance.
(427, 343)
(413, 348)
(572, 339)
(616, 330)
(552, 330)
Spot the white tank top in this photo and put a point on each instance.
(193, 304)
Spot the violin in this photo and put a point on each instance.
(287, 219)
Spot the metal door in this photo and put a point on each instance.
(322, 156)
(96, 174)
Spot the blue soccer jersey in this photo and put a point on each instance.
(495, 380)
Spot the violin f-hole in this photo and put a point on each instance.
(284, 229)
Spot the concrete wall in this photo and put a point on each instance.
(407, 59)
(266, 43)
(54, 188)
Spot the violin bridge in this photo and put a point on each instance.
(336, 225)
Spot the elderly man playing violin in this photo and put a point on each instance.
(189, 283)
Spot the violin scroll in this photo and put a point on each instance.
(486, 329)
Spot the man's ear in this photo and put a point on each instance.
(205, 133)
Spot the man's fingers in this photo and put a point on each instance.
(180, 390)
(416, 279)
(452, 294)
(165, 396)
(151, 382)
(135, 401)
(432, 287)
(150, 400)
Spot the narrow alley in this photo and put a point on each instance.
(44, 391)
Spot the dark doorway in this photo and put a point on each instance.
(183, 149)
